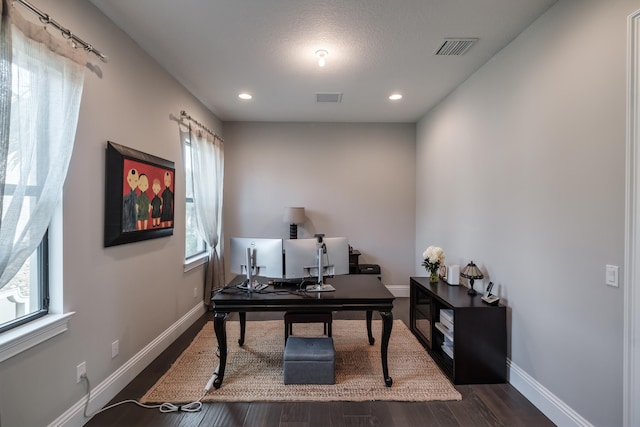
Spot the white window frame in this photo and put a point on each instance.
(200, 258)
(23, 337)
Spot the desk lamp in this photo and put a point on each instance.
(294, 216)
(471, 272)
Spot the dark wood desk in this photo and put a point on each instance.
(353, 293)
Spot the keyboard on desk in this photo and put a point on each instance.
(287, 283)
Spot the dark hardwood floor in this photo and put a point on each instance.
(481, 405)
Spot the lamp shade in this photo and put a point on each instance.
(294, 215)
(471, 271)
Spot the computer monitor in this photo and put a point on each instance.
(336, 256)
(301, 257)
(265, 257)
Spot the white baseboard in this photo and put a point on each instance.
(399, 291)
(548, 403)
(114, 383)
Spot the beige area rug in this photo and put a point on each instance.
(254, 371)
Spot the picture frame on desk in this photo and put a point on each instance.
(139, 196)
(442, 272)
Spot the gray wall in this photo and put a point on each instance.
(354, 180)
(132, 292)
(522, 169)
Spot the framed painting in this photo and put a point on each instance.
(139, 196)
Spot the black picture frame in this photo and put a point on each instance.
(124, 168)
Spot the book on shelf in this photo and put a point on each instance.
(445, 331)
(446, 323)
(448, 350)
(446, 314)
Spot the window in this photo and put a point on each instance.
(26, 296)
(41, 88)
(194, 245)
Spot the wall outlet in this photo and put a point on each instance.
(115, 348)
(195, 292)
(81, 370)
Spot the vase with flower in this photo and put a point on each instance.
(433, 258)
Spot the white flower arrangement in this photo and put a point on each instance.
(433, 258)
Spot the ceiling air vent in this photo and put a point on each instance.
(329, 97)
(454, 47)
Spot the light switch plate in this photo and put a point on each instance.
(611, 275)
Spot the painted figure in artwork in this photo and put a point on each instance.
(144, 205)
(130, 203)
(156, 203)
(167, 202)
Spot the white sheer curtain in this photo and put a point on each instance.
(41, 79)
(207, 162)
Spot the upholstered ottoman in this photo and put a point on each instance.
(309, 361)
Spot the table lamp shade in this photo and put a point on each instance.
(294, 215)
(471, 271)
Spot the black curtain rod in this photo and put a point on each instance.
(66, 33)
(184, 115)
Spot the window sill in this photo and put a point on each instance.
(195, 261)
(24, 337)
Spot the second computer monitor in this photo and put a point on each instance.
(337, 255)
(301, 257)
(266, 256)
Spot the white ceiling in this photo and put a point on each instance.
(219, 48)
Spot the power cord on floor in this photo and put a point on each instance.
(166, 407)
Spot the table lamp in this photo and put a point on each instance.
(294, 216)
(471, 272)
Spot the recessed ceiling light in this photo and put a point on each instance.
(245, 96)
(321, 54)
(395, 96)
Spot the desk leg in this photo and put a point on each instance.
(219, 325)
(243, 325)
(387, 324)
(369, 317)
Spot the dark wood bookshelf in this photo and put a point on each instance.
(479, 333)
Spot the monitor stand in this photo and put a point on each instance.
(254, 287)
(320, 287)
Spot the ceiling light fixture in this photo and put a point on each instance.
(321, 54)
(395, 96)
(246, 96)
